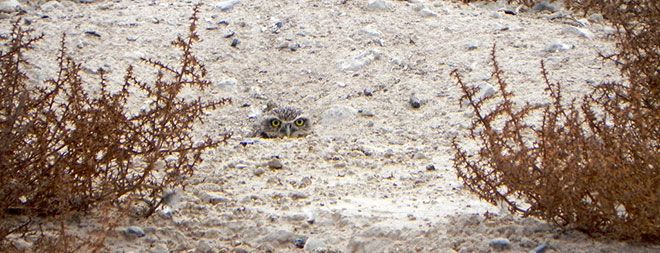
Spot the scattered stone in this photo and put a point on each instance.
(212, 197)
(50, 6)
(430, 167)
(582, 32)
(540, 249)
(368, 91)
(10, 6)
(360, 61)
(235, 42)
(131, 38)
(583, 22)
(378, 5)
(93, 33)
(366, 113)
(228, 84)
(134, 231)
(471, 46)
(167, 212)
(247, 142)
(426, 12)
(227, 5)
(258, 172)
(414, 102)
(300, 242)
(86, 1)
(275, 164)
(596, 18)
(338, 113)
(485, 90)
(298, 195)
(500, 244)
(228, 34)
(557, 47)
(545, 6)
(203, 247)
(313, 244)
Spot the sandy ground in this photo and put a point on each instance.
(360, 183)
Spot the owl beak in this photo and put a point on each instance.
(288, 130)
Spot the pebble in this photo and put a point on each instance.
(212, 198)
(228, 84)
(300, 242)
(203, 247)
(596, 18)
(228, 34)
(259, 172)
(414, 102)
(471, 46)
(366, 113)
(378, 5)
(9, 6)
(235, 42)
(540, 249)
(500, 244)
(430, 167)
(135, 231)
(314, 244)
(485, 90)
(368, 91)
(337, 114)
(227, 5)
(545, 6)
(275, 164)
(582, 32)
(426, 12)
(360, 61)
(557, 47)
(50, 6)
(86, 1)
(166, 212)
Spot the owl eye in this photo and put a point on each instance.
(275, 123)
(299, 122)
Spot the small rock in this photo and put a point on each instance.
(9, 6)
(360, 61)
(135, 231)
(50, 6)
(500, 244)
(557, 47)
(227, 5)
(426, 12)
(228, 34)
(596, 18)
(275, 164)
(338, 114)
(366, 113)
(582, 32)
(228, 84)
(86, 1)
(93, 33)
(300, 242)
(430, 167)
(545, 6)
(471, 46)
(378, 5)
(259, 172)
(368, 91)
(212, 198)
(131, 38)
(414, 102)
(298, 195)
(235, 42)
(583, 22)
(510, 12)
(166, 212)
(313, 244)
(540, 249)
(203, 247)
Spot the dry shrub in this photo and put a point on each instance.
(66, 150)
(590, 164)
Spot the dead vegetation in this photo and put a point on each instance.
(66, 150)
(589, 164)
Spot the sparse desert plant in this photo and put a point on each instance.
(590, 164)
(67, 150)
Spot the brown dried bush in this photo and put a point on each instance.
(67, 150)
(590, 164)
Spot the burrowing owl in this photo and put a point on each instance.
(284, 121)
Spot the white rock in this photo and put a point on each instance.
(229, 84)
(426, 12)
(50, 6)
(314, 243)
(486, 90)
(227, 5)
(370, 32)
(361, 60)
(338, 114)
(557, 47)
(9, 6)
(582, 32)
(378, 5)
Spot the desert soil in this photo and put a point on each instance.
(376, 175)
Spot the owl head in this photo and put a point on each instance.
(285, 122)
